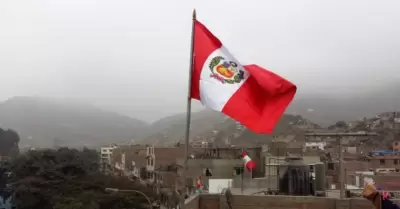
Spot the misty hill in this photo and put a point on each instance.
(232, 133)
(47, 123)
(172, 128)
(212, 125)
(328, 109)
(322, 109)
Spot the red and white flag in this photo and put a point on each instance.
(254, 96)
(199, 183)
(248, 163)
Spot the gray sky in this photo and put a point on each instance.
(132, 56)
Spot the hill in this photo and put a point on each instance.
(44, 122)
(288, 124)
(328, 109)
(322, 109)
(172, 128)
(212, 125)
(47, 122)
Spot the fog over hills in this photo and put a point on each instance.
(43, 122)
(322, 109)
(328, 109)
(47, 122)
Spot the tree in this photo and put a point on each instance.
(69, 179)
(9, 140)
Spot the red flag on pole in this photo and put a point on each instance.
(252, 95)
(248, 163)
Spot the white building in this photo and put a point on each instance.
(316, 145)
(150, 167)
(105, 158)
(362, 177)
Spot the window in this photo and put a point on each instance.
(238, 171)
(396, 161)
(382, 161)
(331, 166)
(311, 168)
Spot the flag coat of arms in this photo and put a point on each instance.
(252, 95)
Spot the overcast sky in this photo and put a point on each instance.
(132, 55)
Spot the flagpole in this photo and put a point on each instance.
(188, 114)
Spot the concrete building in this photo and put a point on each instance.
(385, 162)
(129, 160)
(161, 164)
(384, 159)
(388, 181)
(315, 145)
(351, 150)
(360, 177)
(211, 169)
(255, 153)
(160, 158)
(396, 146)
(284, 144)
(272, 167)
(219, 168)
(223, 173)
(105, 159)
(248, 200)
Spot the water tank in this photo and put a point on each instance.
(295, 178)
(320, 179)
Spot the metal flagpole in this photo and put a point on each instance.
(242, 180)
(188, 114)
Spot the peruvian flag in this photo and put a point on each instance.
(199, 183)
(248, 163)
(252, 95)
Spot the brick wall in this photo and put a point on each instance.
(192, 202)
(209, 201)
(270, 182)
(388, 181)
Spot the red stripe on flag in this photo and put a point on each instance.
(205, 43)
(261, 100)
